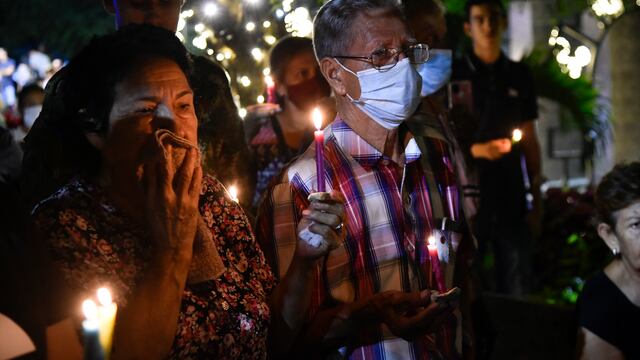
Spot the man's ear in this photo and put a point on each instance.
(609, 236)
(332, 72)
(109, 6)
(95, 139)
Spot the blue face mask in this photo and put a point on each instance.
(436, 71)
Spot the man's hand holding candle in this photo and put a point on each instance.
(321, 228)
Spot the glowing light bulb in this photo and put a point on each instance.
(210, 9)
(250, 26)
(257, 54)
(270, 39)
(245, 81)
(260, 99)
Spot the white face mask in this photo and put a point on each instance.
(30, 114)
(388, 97)
(436, 72)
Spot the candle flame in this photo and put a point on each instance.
(90, 309)
(432, 241)
(233, 193)
(316, 116)
(269, 81)
(517, 135)
(104, 296)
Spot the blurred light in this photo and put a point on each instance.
(200, 42)
(268, 80)
(220, 56)
(245, 81)
(180, 36)
(266, 24)
(250, 26)
(181, 24)
(242, 113)
(612, 8)
(270, 39)
(260, 99)
(257, 54)
(199, 27)
(266, 71)
(187, 14)
(286, 5)
(299, 23)
(279, 13)
(555, 32)
(210, 9)
(209, 52)
(252, 2)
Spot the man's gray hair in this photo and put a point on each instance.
(332, 32)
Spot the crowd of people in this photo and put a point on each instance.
(362, 242)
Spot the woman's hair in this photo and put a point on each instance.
(284, 51)
(617, 190)
(79, 101)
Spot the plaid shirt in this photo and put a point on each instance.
(389, 219)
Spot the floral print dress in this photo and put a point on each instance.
(95, 245)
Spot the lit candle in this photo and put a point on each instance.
(107, 318)
(91, 331)
(271, 89)
(233, 193)
(435, 263)
(516, 136)
(316, 115)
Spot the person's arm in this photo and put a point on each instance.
(531, 149)
(592, 347)
(290, 301)
(146, 327)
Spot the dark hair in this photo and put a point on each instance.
(27, 89)
(497, 4)
(284, 51)
(414, 8)
(332, 33)
(617, 190)
(80, 99)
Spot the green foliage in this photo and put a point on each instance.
(576, 95)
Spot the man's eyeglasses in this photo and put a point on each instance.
(384, 59)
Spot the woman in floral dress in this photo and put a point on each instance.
(139, 217)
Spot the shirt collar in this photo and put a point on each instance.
(363, 152)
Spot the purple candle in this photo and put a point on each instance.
(316, 116)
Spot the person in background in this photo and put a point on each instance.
(276, 137)
(30, 101)
(501, 99)
(7, 89)
(609, 306)
(220, 128)
(372, 297)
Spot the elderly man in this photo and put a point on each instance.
(372, 297)
(220, 130)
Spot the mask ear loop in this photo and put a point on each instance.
(354, 74)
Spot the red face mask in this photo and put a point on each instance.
(306, 94)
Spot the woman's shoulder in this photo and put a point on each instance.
(601, 306)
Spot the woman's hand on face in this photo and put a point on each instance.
(325, 217)
(172, 202)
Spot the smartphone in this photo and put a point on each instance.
(461, 95)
